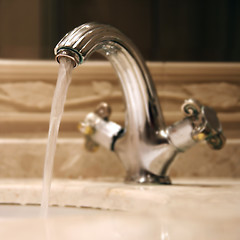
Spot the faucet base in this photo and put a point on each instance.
(146, 177)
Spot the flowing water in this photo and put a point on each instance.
(60, 94)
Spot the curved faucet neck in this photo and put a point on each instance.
(144, 121)
(140, 95)
(146, 147)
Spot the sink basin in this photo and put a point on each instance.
(14, 211)
(83, 209)
(23, 222)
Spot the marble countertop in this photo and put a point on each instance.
(188, 209)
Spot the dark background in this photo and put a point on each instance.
(163, 30)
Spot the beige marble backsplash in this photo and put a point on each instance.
(26, 90)
(21, 158)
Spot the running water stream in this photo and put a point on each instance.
(59, 98)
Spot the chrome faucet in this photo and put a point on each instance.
(145, 145)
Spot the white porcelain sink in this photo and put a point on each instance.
(23, 223)
(189, 209)
(13, 211)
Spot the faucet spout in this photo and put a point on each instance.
(144, 145)
(130, 67)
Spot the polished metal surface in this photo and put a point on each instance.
(206, 125)
(145, 146)
(100, 130)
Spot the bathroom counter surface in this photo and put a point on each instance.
(188, 209)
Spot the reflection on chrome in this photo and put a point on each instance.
(144, 145)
